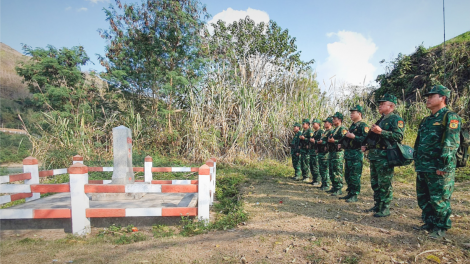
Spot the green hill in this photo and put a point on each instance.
(11, 86)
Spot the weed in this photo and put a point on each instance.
(314, 259)
(162, 231)
(351, 260)
(191, 227)
(29, 241)
(128, 239)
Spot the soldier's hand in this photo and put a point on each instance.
(319, 141)
(297, 154)
(363, 148)
(376, 129)
(350, 135)
(441, 173)
(339, 146)
(312, 140)
(302, 137)
(331, 140)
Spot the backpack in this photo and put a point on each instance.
(464, 148)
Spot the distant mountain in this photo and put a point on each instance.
(11, 86)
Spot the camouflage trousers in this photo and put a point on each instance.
(352, 175)
(323, 165)
(336, 167)
(296, 164)
(314, 169)
(434, 193)
(304, 164)
(381, 176)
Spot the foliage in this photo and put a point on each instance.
(162, 231)
(14, 147)
(122, 235)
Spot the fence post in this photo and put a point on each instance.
(210, 163)
(79, 201)
(203, 193)
(214, 174)
(30, 165)
(77, 159)
(148, 169)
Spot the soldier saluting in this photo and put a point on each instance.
(388, 131)
(435, 147)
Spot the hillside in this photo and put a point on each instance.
(11, 86)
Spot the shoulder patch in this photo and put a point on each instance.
(436, 124)
(311, 134)
(454, 124)
(345, 131)
(366, 129)
(401, 124)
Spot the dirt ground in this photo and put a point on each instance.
(309, 226)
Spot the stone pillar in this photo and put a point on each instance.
(77, 159)
(122, 148)
(203, 194)
(79, 201)
(148, 169)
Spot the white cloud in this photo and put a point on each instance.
(231, 15)
(68, 8)
(348, 60)
(82, 9)
(97, 1)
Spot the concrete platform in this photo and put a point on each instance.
(62, 200)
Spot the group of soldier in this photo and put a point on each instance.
(327, 153)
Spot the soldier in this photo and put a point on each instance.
(295, 150)
(322, 151)
(435, 148)
(313, 153)
(304, 147)
(390, 129)
(336, 155)
(353, 155)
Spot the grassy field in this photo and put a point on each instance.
(251, 225)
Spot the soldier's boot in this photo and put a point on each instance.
(297, 178)
(438, 233)
(306, 180)
(346, 197)
(332, 190)
(324, 187)
(337, 193)
(352, 199)
(315, 181)
(427, 227)
(384, 210)
(374, 208)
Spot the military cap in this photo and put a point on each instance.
(316, 120)
(338, 115)
(439, 89)
(329, 120)
(306, 120)
(389, 98)
(296, 124)
(356, 108)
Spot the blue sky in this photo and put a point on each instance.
(346, 38)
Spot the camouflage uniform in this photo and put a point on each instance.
(323, 160)
(295, 149)
(435, 148)
(354, 156)
(304, 150)
(381, 173)
(336, 158)
(314, 169)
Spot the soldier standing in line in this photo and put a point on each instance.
(435, 147)
(389, 130)
(322, 151)
(336, 155)
(316, 178)
(353, 155)
(304, 147)
(295, 150)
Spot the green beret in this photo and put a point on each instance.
(329, 120)
(356, 108)
(316, 120)
(338, 115)
(296, 124)
(389, 98)
(439, 89)
(306, 120)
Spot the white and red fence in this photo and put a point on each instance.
(79, 186)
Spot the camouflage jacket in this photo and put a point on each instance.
(316, 136)
(304, 143)
(337, 134)
(393, 128)
(360, 130)
(322, 148)
(295, 143)
(437, 143)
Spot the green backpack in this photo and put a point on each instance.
(464, 148)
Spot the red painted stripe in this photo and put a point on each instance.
(52, 213)
(194, 169)
(204, 170)
(105, 212)
(20, 177)
(139, 180)
(178, 211)
(194, 182)
(18, 196)
(46, 173)
(138, 169)
(54, 188)
(179, 188)
(161, 182)
(108, 188)
(161, 169)
(95, 169)
(95, 181)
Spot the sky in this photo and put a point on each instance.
(347, 39)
